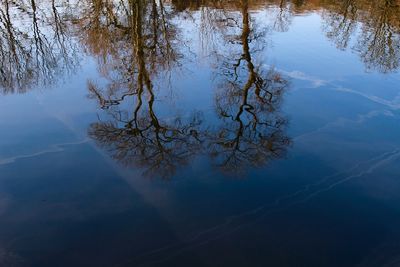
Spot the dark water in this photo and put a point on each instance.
(199, 133)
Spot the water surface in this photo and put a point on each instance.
(199, 133)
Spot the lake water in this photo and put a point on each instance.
(199, 133)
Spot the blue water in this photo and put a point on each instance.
(246, 135)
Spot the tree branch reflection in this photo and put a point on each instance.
(35, 48)
(136, 136)
(247, 102)
(137, 44)
(378, 43)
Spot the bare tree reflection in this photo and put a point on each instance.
(37, 37)
(342, 22)
(136, 42)
(109, 34)
(374, 25)
(283, 17)
(143, 140)
(378, 43)
(247, 102)
(136, 136)
(34, 45)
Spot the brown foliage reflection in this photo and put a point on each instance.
(37, 38)
(136, 135)
(248, 97)
(138, 43)
(251, 131)
(34, 48)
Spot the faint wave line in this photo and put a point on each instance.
(390, 156)
(52, 149)
(394, 105)
(368, 171)
(275, 206)
(317, 83)
(342, 121)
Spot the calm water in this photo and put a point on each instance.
(199, 133)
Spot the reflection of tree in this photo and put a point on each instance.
(378, 44)
(146, 141)
(342, 22)
(283, 17)
(138, 137)
(135, 42)
(108, 34)
(375, 25)
(36, 41)
(34, 47)
(252, 131)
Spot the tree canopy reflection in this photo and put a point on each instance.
(139, 44)
(35, 47)
(250, 131)
(136, 135)
(375, 25)
(247, 98)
